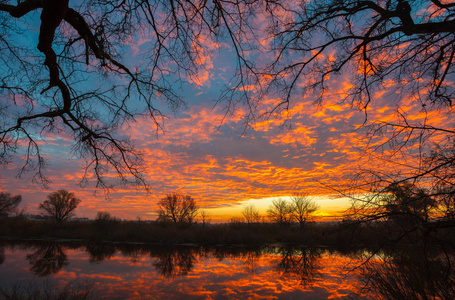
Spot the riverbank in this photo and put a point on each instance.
(336, 234)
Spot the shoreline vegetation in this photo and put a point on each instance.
(405, 216)
(341, 234)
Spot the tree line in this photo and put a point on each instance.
(174, 208)
(59, 205)
(297, 209)
(401, 49)
(404, 204)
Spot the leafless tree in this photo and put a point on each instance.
(403, 49)
(177, 208)
(103, 216)
(303, 208)
(378, 40)
(370, 43)
(9, 204)
(205, 217)
(76, 81)
(251, 214)
(280, 212)
(60, 205)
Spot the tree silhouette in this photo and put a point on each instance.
(280, 211)
(205, 217)
(82, 44)
(9, 203)
(403, 50)
(60, 205)
(395, 47)
(303, 208)
(377, 40)
(408, 203)
(177, 208)
(251, 214)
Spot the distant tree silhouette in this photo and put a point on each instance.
(408, 203)
(60, 205)
(105, 217)
(177, 208)
(205, 217)
(251, 214)
(303, 208)
(9, 204)
(280, 211)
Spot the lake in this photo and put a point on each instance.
(113, 271)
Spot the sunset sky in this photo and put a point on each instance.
(219, 162)
(218, 159)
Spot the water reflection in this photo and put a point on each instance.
(135, 272)
(100, 252)
(174, 262)
(248, 255)
(47, 259)
(301, 263)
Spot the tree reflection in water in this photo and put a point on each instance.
(251, 259)
(399, 273)
(47, 260)
(174, 262)
(100, 252)
(134, 253)
(249, 255)
(411, 273)
(301, 263)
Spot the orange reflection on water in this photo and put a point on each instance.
(198, 273)
(162, 272)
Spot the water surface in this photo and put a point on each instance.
(190, 272)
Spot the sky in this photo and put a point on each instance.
(223, 164)
(218, 161)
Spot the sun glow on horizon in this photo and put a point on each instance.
(330, 208)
